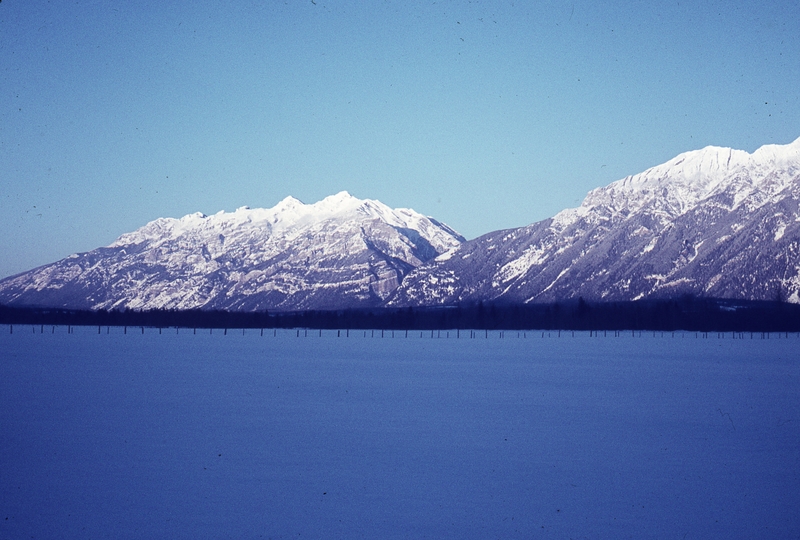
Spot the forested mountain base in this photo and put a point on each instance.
(667, 315)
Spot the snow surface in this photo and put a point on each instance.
(289, 214)
(177, 435)
(684, 181)
(341, 252)
(704, 220)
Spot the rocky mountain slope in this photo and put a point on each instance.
(714, 222)
(340, 252)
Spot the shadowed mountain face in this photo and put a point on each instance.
(715, 222)
(339, 252)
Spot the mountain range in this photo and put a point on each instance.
(341, 252)
(714, 222)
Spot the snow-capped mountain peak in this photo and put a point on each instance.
(779, 154)
(677, 186)
(341, 251)
(289, 214)
(711, 222)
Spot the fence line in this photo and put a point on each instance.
(457, 334)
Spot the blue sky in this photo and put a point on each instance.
(485, 115)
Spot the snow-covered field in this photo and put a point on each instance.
(183, 435)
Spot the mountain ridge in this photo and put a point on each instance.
(714, 222)
(340, 251)
(641, 237)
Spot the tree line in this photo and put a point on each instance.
(685, 313)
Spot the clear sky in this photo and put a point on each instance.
(485, 115)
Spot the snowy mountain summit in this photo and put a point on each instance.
(339, 252)
(715, 222)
